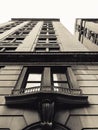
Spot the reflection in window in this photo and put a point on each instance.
(59, 77)
(34, 77)
(30, 85)
(60, 80)
(61, 85)
(33, 80)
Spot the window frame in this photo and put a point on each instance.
(46, 78)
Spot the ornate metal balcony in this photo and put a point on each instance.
(62, 90)
(56, 94)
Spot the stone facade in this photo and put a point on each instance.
(48, 79)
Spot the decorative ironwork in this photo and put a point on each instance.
(57, 95)
(62, 90)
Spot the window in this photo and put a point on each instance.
(18, 36)
(47, 36)
(52, 38)
(16, 33)
(40, 49)
(43, 32)
(29, 28)
(53, 42)
(59, 78)
(51, 32)
(18, 40)
(41, 40)
(7, 49)
(48, 78)
(47, 42)
(47, 48)
(9, 39)
(34, 79)
(54, 49)
(51, 28)
(48, 39)
(8, 27)
(44, 28)
(25, 32)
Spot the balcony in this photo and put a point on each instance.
(57, 94)
(62, 90)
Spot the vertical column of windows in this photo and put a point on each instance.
(47, 40)
(11, 42)
(8, 27)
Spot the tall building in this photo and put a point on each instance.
(86, 31)
(48, 79)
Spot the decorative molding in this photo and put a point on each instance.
(47, 112)
(36, 19)
(30, 57)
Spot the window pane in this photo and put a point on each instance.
(19, 39)
(61, 85)
(59, 77)
(40, 49)
(54, 49)
(10, 49)
(30, 85)
(34, 77)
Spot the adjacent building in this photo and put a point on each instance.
(86, 31)
(48, 79)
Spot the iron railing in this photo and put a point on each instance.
(37, 89)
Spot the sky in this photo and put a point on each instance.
(66, 10)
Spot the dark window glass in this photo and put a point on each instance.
(39, 49)
(19, 40)
(54, 49)
(8, 49)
